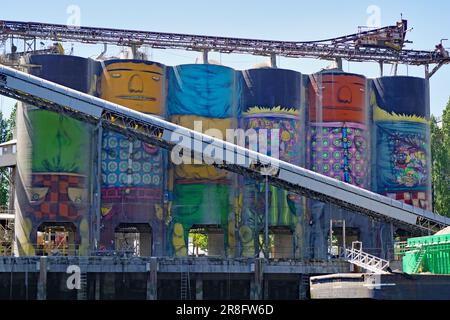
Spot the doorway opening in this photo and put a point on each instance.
(133, 239)
(56, 238)
(206, 240)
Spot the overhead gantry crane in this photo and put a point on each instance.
(381, 45)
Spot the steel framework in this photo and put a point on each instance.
(355, 47)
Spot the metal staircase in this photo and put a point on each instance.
(371, 263)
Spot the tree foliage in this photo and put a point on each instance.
(7, 127)
(440, 155)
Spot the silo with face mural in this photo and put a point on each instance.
(133, 172)
(54, 184)
(203, 97)
(338, 146)
(401, 135)
(273, 110)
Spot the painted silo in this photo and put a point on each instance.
(203, 97)
(337, 139)
(133, 172)
(337, 146)
(401, 135)
(272, 101)
(54, 185)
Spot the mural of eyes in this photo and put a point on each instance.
(37, 195)
(77, 195)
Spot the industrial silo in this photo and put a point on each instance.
(272, 110)
(203, 97)
(338, 146)
(401, 135)
(53, 184)
(338, 127)
(132, 171)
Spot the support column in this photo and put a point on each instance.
(199, 289)
(205, 56)
(339, 63)
(152, 279)
(381, 68)
(273, 60)
(42, 281)
(256, 284)
(97, 286)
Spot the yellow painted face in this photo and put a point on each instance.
(138, 86)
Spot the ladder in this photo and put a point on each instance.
(371, 263)
(82, 292)
(419, 260)
(185, 289)
(304, 287)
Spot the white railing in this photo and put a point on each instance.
(371, 263)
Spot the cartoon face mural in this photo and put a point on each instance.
(402, 160)
(340, 151)
(211, 126)
(58, 187)
(289, 132)
(401, 135)
(342, 98)
(205, 95)
(205, 90)
(132, 170)
(337, 136)
(138, 85)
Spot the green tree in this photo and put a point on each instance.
(440, 155)
(7, 127)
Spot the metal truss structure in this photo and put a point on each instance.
(382, 45)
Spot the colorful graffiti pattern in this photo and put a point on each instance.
(132, 170)
(402, 159)
(339, 150)
(289, 132)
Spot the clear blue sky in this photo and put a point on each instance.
(284, 20)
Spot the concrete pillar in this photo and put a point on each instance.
(145, 244)
(283, 247)
(152, 279)
(216, 245)
(42, 281)
(273, 60)
(266, 289)
(256, 283)
(199, 289)
(205, 56)
(109, 286)
(97, 286)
